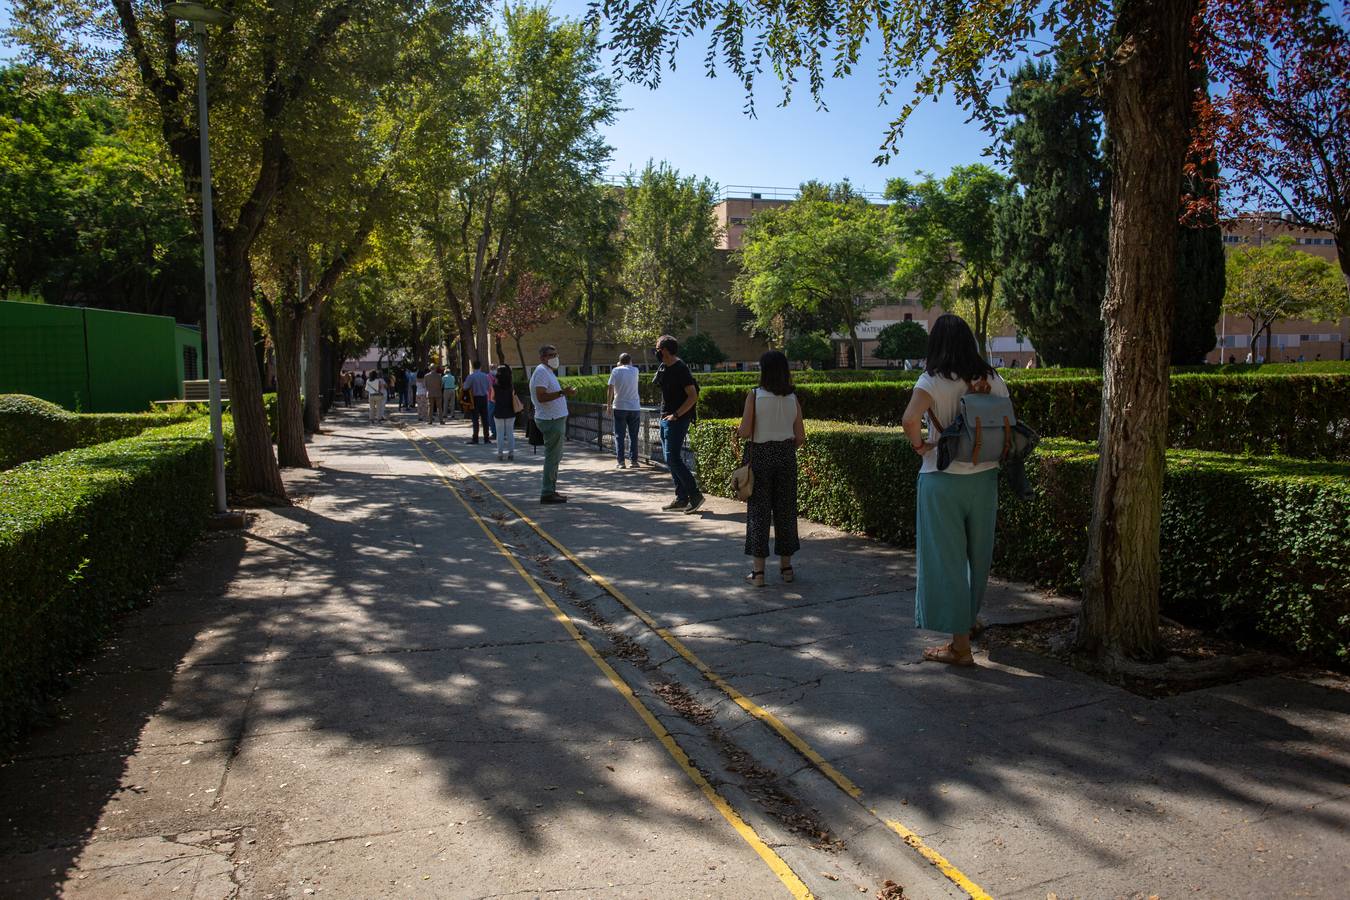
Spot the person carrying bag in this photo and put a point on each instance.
(773, 428)
(956, 509)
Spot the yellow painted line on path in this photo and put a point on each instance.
(775, 862)
(842, 781)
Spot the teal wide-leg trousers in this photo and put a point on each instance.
(955, 524)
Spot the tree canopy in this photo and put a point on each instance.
(827, 254)
(946, 234)
(669, 241)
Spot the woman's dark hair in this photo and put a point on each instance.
(504, 379)
(952, 351)
(774, 374)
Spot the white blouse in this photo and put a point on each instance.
(774, 416)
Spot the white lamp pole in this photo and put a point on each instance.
(201, 16)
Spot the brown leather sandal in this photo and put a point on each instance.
(947, 654)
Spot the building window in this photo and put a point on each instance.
(743, 313)
(909, 317)
(189, 363)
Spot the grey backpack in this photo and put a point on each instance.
(986, 429)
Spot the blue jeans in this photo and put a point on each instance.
(626, 427)
(672, 447)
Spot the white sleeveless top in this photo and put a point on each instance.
(774, 416)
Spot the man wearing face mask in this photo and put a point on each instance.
(679, 394)
(550, 414)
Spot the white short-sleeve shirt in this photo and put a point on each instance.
(947, 394)
(625, 381)
(552, 409)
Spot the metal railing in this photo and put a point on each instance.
(587, 423)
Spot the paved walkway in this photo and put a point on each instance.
(362, 696)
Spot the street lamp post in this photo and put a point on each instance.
(200, 16)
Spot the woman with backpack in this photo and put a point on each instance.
(956, 507)
(772, 424)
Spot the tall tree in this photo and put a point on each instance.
(1050, 234)
(1277, 281)
(271, 70)
(91, 210)
(947, 240)
(669, 245)
(1280, 123)
(586, 261)
(1141, 51)
(523, 310)
(826, 254)
(520, 137)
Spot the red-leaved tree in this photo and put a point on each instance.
(522, 311)
(1280, 118)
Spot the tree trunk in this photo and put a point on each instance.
(529, 395)
(590, 330)
(1269, 330)
(1148, 118)
(313, 371)
(289, 340)
(256, 472)
(856, 343)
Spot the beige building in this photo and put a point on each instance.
(1291, 339)
(727, 322)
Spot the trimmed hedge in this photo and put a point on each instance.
(1305, 416)
(82, 535)
(31, 428)
(1250, 545)
(591, 388)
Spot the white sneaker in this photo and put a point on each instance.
(621, 465)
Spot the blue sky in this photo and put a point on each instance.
(699, 126)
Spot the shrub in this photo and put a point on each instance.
(82, 534)
(902, 340)
(31, 428)
(1306, 416)
(810, 348)
(701, 350)
(1259, 546)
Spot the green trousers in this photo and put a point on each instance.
(955, 523)
(554, 432)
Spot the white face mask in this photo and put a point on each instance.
(553, 363)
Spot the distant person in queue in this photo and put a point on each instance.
(623, 403)
(550, 415)
(479, 385)
(505, 413)
(956, 507)
(679, 396)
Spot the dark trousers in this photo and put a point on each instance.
(774, 501)
(626, 423)
(480, 412)
(672, 447)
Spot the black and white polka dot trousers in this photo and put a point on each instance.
(774, 501)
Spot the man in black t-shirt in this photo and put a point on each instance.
(679, 394)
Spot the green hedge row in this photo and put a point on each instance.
(82, 535)
(1305, 416)
(1253, 546)
(591, 388)
(31, 428)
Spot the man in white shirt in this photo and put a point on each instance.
(550, 415)
(622, 400)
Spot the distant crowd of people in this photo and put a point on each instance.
(956, 506)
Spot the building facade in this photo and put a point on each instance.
(728, 323)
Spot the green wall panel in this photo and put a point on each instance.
(42, 353)
(131, 360)
(92, 360)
